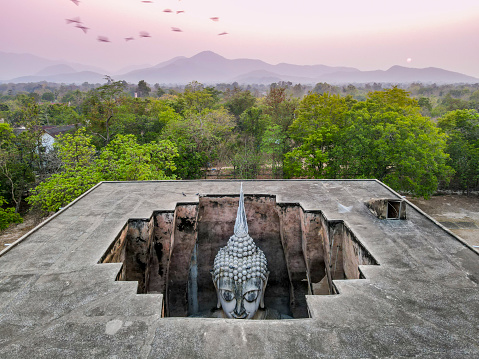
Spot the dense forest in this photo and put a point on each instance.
(416, 139)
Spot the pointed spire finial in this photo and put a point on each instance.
(241, 225)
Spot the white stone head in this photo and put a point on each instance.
(240, 272)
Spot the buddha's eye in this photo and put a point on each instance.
(228, 295)
(251, 295)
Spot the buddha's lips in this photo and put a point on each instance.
(241, 316)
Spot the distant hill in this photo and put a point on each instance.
(76, 78)
(130, 68)
(210, 68)
(56, 70)
(14, 66)
(400, 74)
(170, 61)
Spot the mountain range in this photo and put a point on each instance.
(210, 68)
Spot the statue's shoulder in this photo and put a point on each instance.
(213, 313)
(272, 314)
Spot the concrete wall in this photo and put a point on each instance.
(292, 239)
(183, 243)
(173, 252)
(346, 253)
(160, 247)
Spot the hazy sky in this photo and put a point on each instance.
(367, 34)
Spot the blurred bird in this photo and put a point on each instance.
(84, 28)
(129, 38)
(75, 20)
(215, 18)
(167, 10)
(176, 29)
(144, 34)
(223, 33)
(179, 12)
(76, 2)
(103, 39)
(183, 193)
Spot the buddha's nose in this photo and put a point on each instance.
(239, 309)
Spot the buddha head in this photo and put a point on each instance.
(240, 272)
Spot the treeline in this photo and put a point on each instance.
(133, 132)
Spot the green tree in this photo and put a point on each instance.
(26, 159)
(245, 148)
(426, 106)
(253, 123)
(48, 96)
(246, 160)
(315, 130)
(122, 159)
(238, 101)
(76, 151)
(384, 137)
(58, 114)
(101, 106)
(160, 92)
(195, 99)
(273, 146)
(142, 89)
(73, 98)
(78, 173)
(199, 138)
(323, 87)
(462, 129)
(8, 215)
(16, 170)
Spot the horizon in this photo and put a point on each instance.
(367, 36)
(131, 68)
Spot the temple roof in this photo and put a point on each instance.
(57, 301)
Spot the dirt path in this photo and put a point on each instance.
(15, 231)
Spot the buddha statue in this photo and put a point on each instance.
(240, 275)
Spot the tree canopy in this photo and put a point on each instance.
(123, 159)
(462, 129)
(384, 137)
(416, 141)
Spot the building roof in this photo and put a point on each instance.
(55, 131)
(422, 300)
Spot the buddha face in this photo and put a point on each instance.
(240, 299)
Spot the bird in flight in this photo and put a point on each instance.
(76, 2)
(103, 39)
(176, 29)
(129, 38)
(84, 28)
(179, 12)
(223, 33)
(144, 34)
(214, 18)
(167, 10)
(75, 20)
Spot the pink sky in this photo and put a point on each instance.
(368, 34)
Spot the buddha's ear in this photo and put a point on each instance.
(261, 303)
(218, 303)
